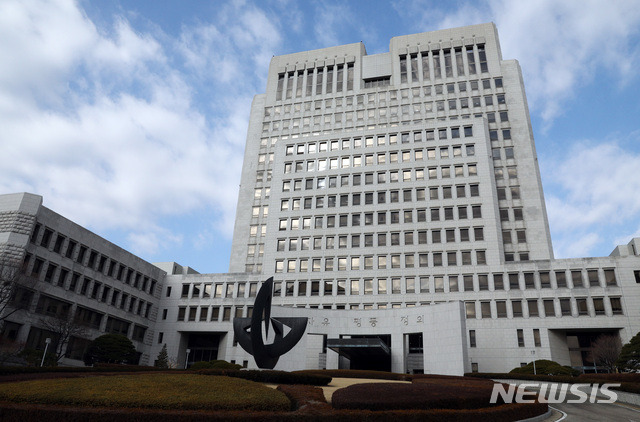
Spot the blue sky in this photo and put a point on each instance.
(130, 117)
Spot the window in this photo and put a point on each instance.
(501, 308)
(470, 309)
(498, 282)
(616, 305)
(598, 306)
(545, 280)
(576, 278)
(516, 306)
(529, 281)
(472, 338)
(532, 306)
(610, 277)
(549, 308)
(520, 338)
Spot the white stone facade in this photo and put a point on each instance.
(401, 188)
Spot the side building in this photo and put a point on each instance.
(73, 281)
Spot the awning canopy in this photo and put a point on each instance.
(359, 348)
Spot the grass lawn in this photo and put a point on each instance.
(155, 391)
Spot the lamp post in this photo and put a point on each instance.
(186, 360)
(47, 342)
(533, 353)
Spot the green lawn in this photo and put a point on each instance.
(156, 391)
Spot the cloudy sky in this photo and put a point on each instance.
(130, 117)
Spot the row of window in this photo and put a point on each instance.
(353, 118)
(216, 290)
(407, 238)
(370, 141)
(315, 81)
(533, 308)
(558, 279)
(517, 308)
(316, 111)
(393, 111)
(449, 63)
(53, 307)
(93, 289)
(381, 98)
(405, 175)
(473, 342)
(89, 258)
(367, 198)
(332, 201)
(381, 217)
(407, 260)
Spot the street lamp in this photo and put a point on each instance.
(47, 342)
(533, 353)
(186, 360)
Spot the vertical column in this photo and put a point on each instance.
(398, 357)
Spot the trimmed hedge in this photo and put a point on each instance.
(526, 377)
(353, 373)
(101, 367)
(546, 367)
(36, 413)
(215, 364)
(273, 377)
(424, 394)
(153, 391)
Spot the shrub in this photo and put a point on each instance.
(425, 394)
(274, 377)
(546, 367)
(353, 373)
(155, 391)
(200, 365)
(215, 364)
(111, 348)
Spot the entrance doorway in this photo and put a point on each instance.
(363, 351)
(202, 347)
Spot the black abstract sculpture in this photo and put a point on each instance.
(248, 331)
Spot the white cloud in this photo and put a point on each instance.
(577, 247)
(592, 194)
(104, 125)
(329, 19)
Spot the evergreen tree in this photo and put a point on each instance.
(163, 358)
(111, 348)
(629, 359)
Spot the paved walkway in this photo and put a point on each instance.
(337, 383)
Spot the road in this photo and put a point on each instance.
(601, 412)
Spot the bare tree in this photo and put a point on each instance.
(605, 351)
(15, 289)
(62, 329)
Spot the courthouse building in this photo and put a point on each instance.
(396, 200)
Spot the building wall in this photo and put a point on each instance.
(73, 272)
